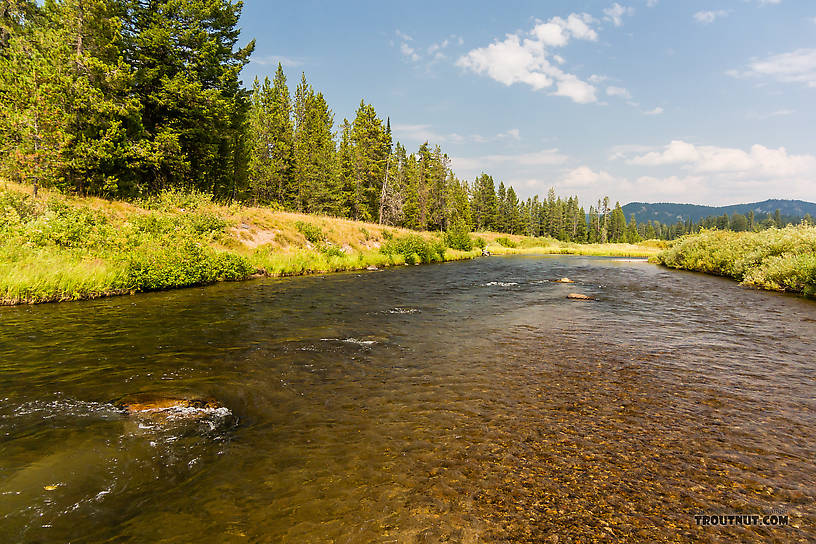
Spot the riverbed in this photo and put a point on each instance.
(458, 402)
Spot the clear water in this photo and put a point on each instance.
(463, 402)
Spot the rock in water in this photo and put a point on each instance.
(159, 407)
(578, 296)
(564, 280)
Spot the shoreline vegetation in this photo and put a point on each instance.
(776, 259)
(61, 248)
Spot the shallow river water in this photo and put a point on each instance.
(462, 402)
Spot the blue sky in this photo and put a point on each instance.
(708, 102)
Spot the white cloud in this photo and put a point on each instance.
(273, 60)
(657, 111)
(758, 162)
(708, 17)
(618, 91)
(763, 116)
(471, 166)
(651, 3)
(526, 58)
(766, 2)
(423, 133)
(584, 176)
(513, 133)
(797, 66)
(409, 52)
(615, 13)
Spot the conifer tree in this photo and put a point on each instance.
(370, 145)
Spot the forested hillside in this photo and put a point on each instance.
(791, 211)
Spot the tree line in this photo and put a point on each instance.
(736, 222)
(120, 98)
(126, 98)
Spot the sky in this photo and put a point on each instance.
(703, 102)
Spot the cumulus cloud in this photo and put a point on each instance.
(528, 58)
(614, 13)
(657, 111)
(797, 66)
(758, 162)
(584, 176)
(708, 17)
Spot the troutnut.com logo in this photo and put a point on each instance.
(728, 520)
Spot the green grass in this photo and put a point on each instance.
(550, 246)
(60, 248)
(774, 259)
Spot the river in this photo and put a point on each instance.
(460, 402)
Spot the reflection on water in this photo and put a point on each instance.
(464, 402)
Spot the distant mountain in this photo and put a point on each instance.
(669, 213)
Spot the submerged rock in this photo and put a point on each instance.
(159, 407)
(578, 296)
(564, 280)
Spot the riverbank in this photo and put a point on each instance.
(61, 248)
(773, 259)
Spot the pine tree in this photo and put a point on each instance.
(35, 82)
(484, 205)
(271, 137)
(370, 144)
(513, 214)
(193, 106)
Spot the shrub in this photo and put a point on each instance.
(154, 268)
(506, 242)
(311, 232)
(459, 238)
(778, 259)
(206, 223)
(330, 250)
(415, 249)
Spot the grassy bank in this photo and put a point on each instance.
(503, 244)
(59, 248)
(774, 259)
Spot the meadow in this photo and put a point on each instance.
(60, 248)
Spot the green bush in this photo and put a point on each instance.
(177, 199)
(154, 268)
(778, 259)
(206, 223)
(506, 242)
(415, 249)
(459, 238)
(15, 208)
(311, 232)
(331, 250)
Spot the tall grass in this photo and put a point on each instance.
(775, 259)
(58, 247)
